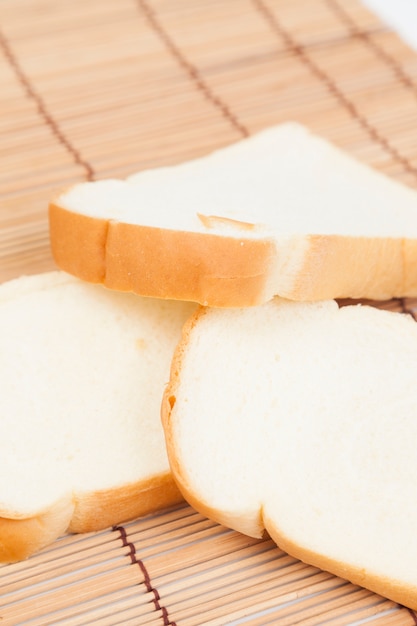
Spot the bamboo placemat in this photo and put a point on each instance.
(179, 568)
(99, 88)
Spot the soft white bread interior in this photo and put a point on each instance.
(82, 374)
(301, 419)
(281, 213)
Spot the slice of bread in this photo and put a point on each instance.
(301, 419)
(282, 213)
(82, 375)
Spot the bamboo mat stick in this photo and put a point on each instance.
(402, 618)
(69, 577)
(314, 607)
(66, 549)
(236, 587)
(187, 555)
(80, 592)
(63, 567)
(269, 557)
(111, 608)
(216, 611)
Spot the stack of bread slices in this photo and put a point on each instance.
(191, 346)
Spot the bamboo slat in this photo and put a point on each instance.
(185, 570)
(97, 88)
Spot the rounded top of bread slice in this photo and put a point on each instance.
(306, 426)
(281, 182)
(82, 372)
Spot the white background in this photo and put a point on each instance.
(400, 15)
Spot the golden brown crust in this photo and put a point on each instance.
(162, 263)
(70, 232)
(409, 254)
(101, 509)
(337, 266)
(222, 271)
(19, 538)
(186, 266)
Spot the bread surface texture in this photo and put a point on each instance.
(281, 213)
(306, 427)
(81, 443)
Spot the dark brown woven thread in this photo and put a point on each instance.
(355, 31)
(190, 69)
(42, 109)
(301, 53)
(339, 39)
(413, 614)
(406, 309)
(147, 579)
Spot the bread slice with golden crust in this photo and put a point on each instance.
(81, 444)
(306, 427)
(281, 213)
